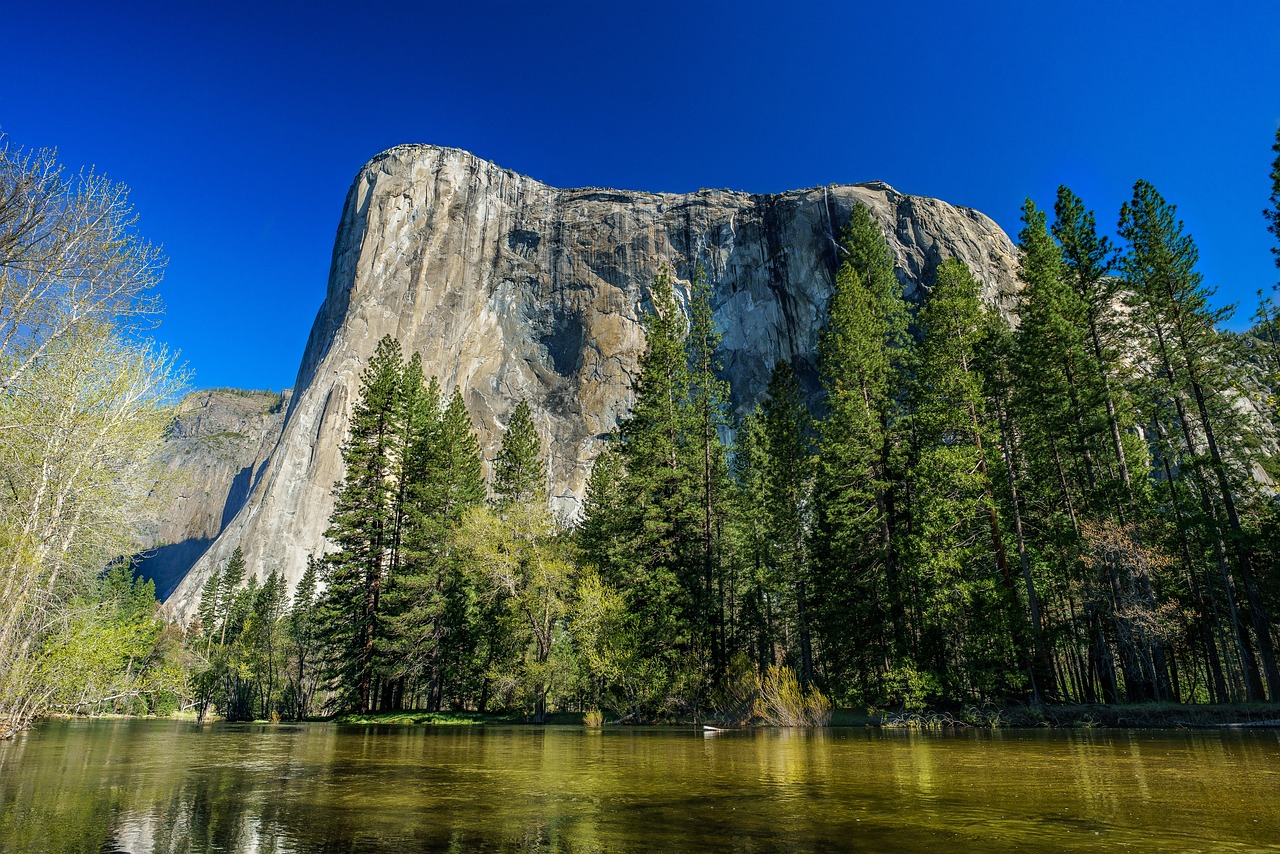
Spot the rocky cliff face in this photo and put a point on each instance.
(511, 289)
(212, 457)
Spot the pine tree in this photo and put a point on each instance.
(364, 528)
(301, 671)
(651, 547)
(519, 472)
(971, 626)
(435, 622)
(788, 506)
(1054, 409)
(1268, 315)
(264, 640)
(210, 607)
(708, 402)
(1272, 213)
(1087, 262)
(863, 360)
(1170, 300)
(228, 583)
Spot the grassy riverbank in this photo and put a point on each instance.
(409, 718)
(1085, 716)
(1066, 716)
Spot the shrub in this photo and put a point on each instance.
(783, 702)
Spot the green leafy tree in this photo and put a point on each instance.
(85, 399)
(525, 571)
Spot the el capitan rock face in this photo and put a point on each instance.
(511, 289)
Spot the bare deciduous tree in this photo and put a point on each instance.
(84, 401)
(68, 254)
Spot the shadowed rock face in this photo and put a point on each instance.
(511, 289)
(212, 457)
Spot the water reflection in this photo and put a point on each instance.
(145, 786)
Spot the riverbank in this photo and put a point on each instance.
(1087, 716)
(1064, 716)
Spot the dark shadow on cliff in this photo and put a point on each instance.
(168, 565)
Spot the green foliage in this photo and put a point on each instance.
(774, 469)
(113, 654)
(1191, 404)
(656, 516)
(783, 702)
(519, 474)
(1272, 213)
(523, 567)
(865, 354)
(981, 513)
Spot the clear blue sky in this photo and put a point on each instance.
(240, 126)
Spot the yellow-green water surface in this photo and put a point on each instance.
(154, 786)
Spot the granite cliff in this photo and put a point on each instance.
(211, 458)
(512, 289)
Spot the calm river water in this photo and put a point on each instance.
(154, 786)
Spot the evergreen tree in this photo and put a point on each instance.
(519, 472)
(864, 352)
(788, 507)
(599, 533)
(651, 548)
(436, 621)
(301, 671)
(1267, 319)
(209, 608)
(708, 405)
(1055, 409)
(1087, 262)
(364, 529)
(971, 633)
(1171, 302)
(1272, 213)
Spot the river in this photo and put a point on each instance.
(157, 786)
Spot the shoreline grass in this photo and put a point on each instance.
(989, 716)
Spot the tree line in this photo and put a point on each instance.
(1074, 506)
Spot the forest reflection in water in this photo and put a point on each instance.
(155, 786)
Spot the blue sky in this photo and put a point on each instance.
(240, 126)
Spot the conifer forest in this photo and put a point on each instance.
(1071, 503)
(1067, 500)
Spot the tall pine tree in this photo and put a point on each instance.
(864, 352)
(364, 528)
